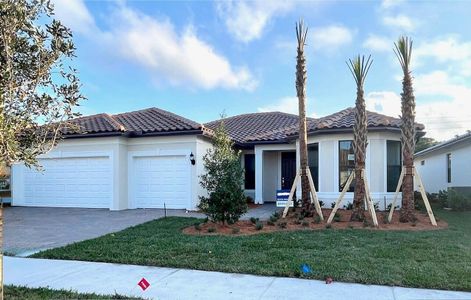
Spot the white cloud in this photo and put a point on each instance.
(331, 37)
(75, 15)
(287, 105)
(180, 58)
(387, 4)
(446, 113)
(400, 21)
(378, 43)
(246, 21)
(447, 50)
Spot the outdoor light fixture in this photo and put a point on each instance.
(192, 158)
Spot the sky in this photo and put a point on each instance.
(202, 59)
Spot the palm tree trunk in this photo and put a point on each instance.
(407, 213)
(359, 146)
(301, 78)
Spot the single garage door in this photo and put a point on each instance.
(161, 179)
(70, 182)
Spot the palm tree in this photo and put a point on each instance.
(403, 51)
(301, 77)
(359, 68)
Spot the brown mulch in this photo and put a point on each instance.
(293, 223)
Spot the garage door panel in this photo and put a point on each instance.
(70, 182)
(161, 179)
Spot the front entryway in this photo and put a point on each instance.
(288, 169)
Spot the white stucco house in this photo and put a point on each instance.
(153, 158)
(446, 165)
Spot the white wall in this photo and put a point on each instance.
(434, 171)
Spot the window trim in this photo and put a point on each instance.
(245, 171)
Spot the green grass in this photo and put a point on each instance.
(24, 293)
(428, 259)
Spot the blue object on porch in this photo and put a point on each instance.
(306, 269)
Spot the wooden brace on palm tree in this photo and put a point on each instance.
(369, 201)
(314, 198)
(422, 192)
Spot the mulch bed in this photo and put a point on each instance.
(293, 222)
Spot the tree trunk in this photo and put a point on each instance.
(407, 213)
(359, 147)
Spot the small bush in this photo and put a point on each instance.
(321, 203)
(254, 220)
(332, 205)
(259, 225)
(388, 208)
(349, 206)
(317, 219)
(305, 223)
(211, 229)
(337, 217)
(366, 223)
(328, 226)
(376, 205)
(297, 221)
(197, 226)
(282, 224)
(385, 218)
(443, 198)
(273, 219)
(235, 230)
(271, 223)
(276, 215)
(459, 201)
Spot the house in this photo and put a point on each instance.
(446, 165)
(153, 158)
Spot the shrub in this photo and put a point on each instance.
(459, 201)
(297, 221)
(376, 205)
(305, 223)
(443, 198)
(197, 226)
(254, 220)
(273, 219)
(328, 226)
(211, 229)
(276, 215)
(349, 206)
(259, 225)
(282, 224)
(321, 203)
(332, 205)
(337, 217)
(235, 230)
(271, 223)
(317, 219)
(249, 199)
(388, 208)
(223, 181)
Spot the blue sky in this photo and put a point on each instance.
(198, 59)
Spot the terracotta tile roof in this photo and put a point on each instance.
(249, 127)
(141, 122)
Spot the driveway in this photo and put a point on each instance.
(30, 229)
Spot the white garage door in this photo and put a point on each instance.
(70, 182)
(161, 179)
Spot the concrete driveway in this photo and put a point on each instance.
(29, 229)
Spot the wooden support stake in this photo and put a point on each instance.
(314, 198)
(291, 193)
(339, 200)
(393, 203)
(424, 197)
(370, 203)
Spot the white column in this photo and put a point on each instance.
(258, 175)
(298, 164)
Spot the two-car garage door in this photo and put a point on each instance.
(159, 181)
(70, 182)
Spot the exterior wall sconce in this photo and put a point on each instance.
(192, 158)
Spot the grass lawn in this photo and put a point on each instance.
(24, 293)
(438, 259)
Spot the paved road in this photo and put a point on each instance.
(167, 283)
(30, 229)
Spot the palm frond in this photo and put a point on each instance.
(301, 33)
(403, 51)
(359, 68)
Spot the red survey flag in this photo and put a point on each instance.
(143, 283)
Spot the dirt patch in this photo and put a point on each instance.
(294, 222)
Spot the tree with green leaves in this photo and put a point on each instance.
(38, 87)
(359, 68)
(223, 180)
(424, 143)
(403, 51)
(301, 78)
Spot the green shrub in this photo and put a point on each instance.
(443, 198)
(259, 225)
(197, 226)
(223, 180)
(337, 217)
(211, 229)
(254, 220)
(271, 223)
(235, 230)
(459, 201)
(332, 205)
(349, 206)
(321, 203)
(276, 215)
(273, 219)
(282, 224)
(376, 205)
(305, 223)
(328, 226)
(317, 219)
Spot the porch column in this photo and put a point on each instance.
(258, 175)
(298, 164)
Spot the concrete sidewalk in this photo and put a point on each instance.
(167, 283)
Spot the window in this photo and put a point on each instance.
(313, 162)
(346, 164)
(249, 166)
(394, 164)
(422, 162)
(448, 167)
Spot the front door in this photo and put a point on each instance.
(288, 169)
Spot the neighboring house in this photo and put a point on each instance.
(142, 159)
(446, 165)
